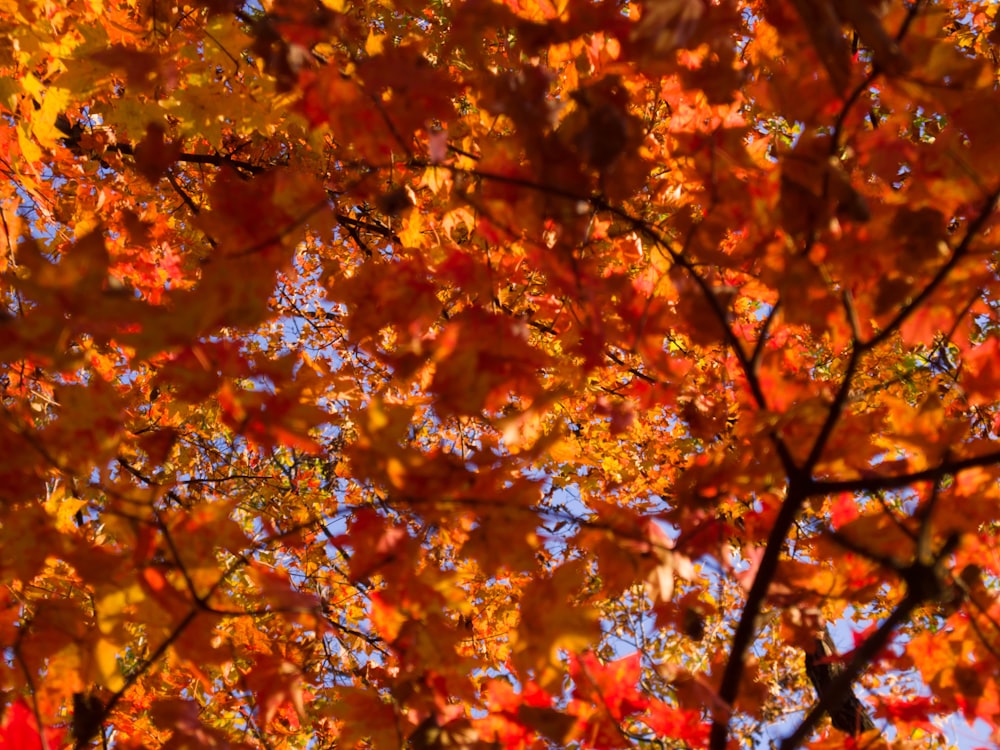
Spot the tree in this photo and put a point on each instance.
(478, 374)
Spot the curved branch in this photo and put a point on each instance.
(74, 131)
(747, 626)
(839, 690)
(957, 255)
(876, 483)
(847, 713)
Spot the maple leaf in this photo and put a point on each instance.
(913, 711)
(182, 718)
(517, 716)
(550, 622)
(366, 717)
(276, 681)
(20, 729)
(685, 725)
(612, 691)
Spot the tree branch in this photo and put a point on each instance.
(846, 712)
(74, 132)
(747, 626)
(919, 299)
(876, 483)
(838, 692)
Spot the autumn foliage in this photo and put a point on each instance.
(499, 373)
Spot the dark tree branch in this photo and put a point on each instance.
(74, 132)
(846, 712)
(747, 626)
(925, 580)
(870, 484)
(957, 255)
(836, 694)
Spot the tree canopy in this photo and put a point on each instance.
(498, 373)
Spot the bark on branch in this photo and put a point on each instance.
(847, 712)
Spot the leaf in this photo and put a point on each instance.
(143, 70)
(550, 622)
(107, 671)
(913, 711)
(820, 20)
(978, 378)
(666, 721)
(275, 682)
(20, 729)
(365, 718)
(613, 689)
(478, 358)
(181, 717)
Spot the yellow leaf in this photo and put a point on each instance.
(111, 606)
(564, 450)
(85, 223)
(33, 87)
(377, 417)
(396, 471)
(551, 621)
(63, 508)
(43, 123)
(9, 92)
(374, 43)
(435, 178)
(10, 225)
(107, 672)
(29, 149)
(412, 234)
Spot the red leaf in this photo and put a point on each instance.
(678, 724)
(275, 682)
(843, 509)
(20, 730)
(916, 711)
(611, 685)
